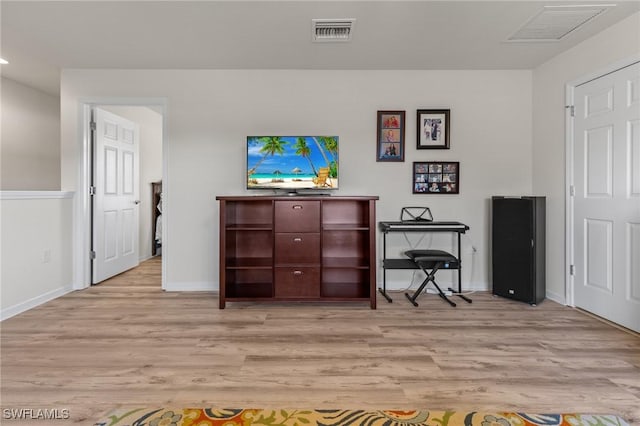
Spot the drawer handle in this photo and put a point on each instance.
(297, 272)
(297, 207)
(297, 240)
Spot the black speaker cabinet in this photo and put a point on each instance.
(518, 248)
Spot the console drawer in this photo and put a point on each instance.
(297, 282)
(297, 216)
(297, 248)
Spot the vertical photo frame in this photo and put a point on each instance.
(390, 136)
(433, 128)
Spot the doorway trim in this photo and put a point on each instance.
(82, 203)
(569, 157)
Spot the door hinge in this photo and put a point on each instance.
(92, 254)
(572, 191)
(572, 110)
(572, 270)
(92, 125)
(92, 190)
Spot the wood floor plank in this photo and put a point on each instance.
(525, 396)
(127, 343)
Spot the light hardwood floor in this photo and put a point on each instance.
(119, 345)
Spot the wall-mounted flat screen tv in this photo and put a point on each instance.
(292, 163)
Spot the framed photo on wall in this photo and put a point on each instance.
(433, 128)
(436, 177)
(390, 136)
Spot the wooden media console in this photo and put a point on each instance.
(306, 248)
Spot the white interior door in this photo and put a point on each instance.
(116, 199)
(606, 223)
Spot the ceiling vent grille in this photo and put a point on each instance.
(332, 30)
(554, 23)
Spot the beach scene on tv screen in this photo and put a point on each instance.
(292, 162)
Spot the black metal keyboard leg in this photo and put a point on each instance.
(386, 296)
(461, 296)
(412, 299)
(465, 298)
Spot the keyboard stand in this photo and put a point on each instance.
(418, 226)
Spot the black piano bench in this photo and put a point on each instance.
(431, 261)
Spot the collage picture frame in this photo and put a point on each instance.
(436, 177)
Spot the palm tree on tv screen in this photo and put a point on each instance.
(271, 145)
(331, 145)
(321, 149)
(303, 150)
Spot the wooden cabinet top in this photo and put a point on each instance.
(296, 197)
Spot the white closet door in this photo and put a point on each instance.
(607, 196)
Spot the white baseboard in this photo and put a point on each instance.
(555, 297)
(191, 286)
(33, 302)
(145, 258)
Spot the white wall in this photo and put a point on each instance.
(620, 42)
(35, 249)
(210, 113)
(30, 138)
(150, 123)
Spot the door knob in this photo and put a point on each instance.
(136, 202)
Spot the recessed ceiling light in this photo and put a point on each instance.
(3, 61)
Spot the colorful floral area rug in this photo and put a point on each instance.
(289, 417)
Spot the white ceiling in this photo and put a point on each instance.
(41, 37)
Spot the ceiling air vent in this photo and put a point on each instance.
(556, 22)
(332, 30)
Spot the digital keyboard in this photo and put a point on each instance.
(422, 226)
